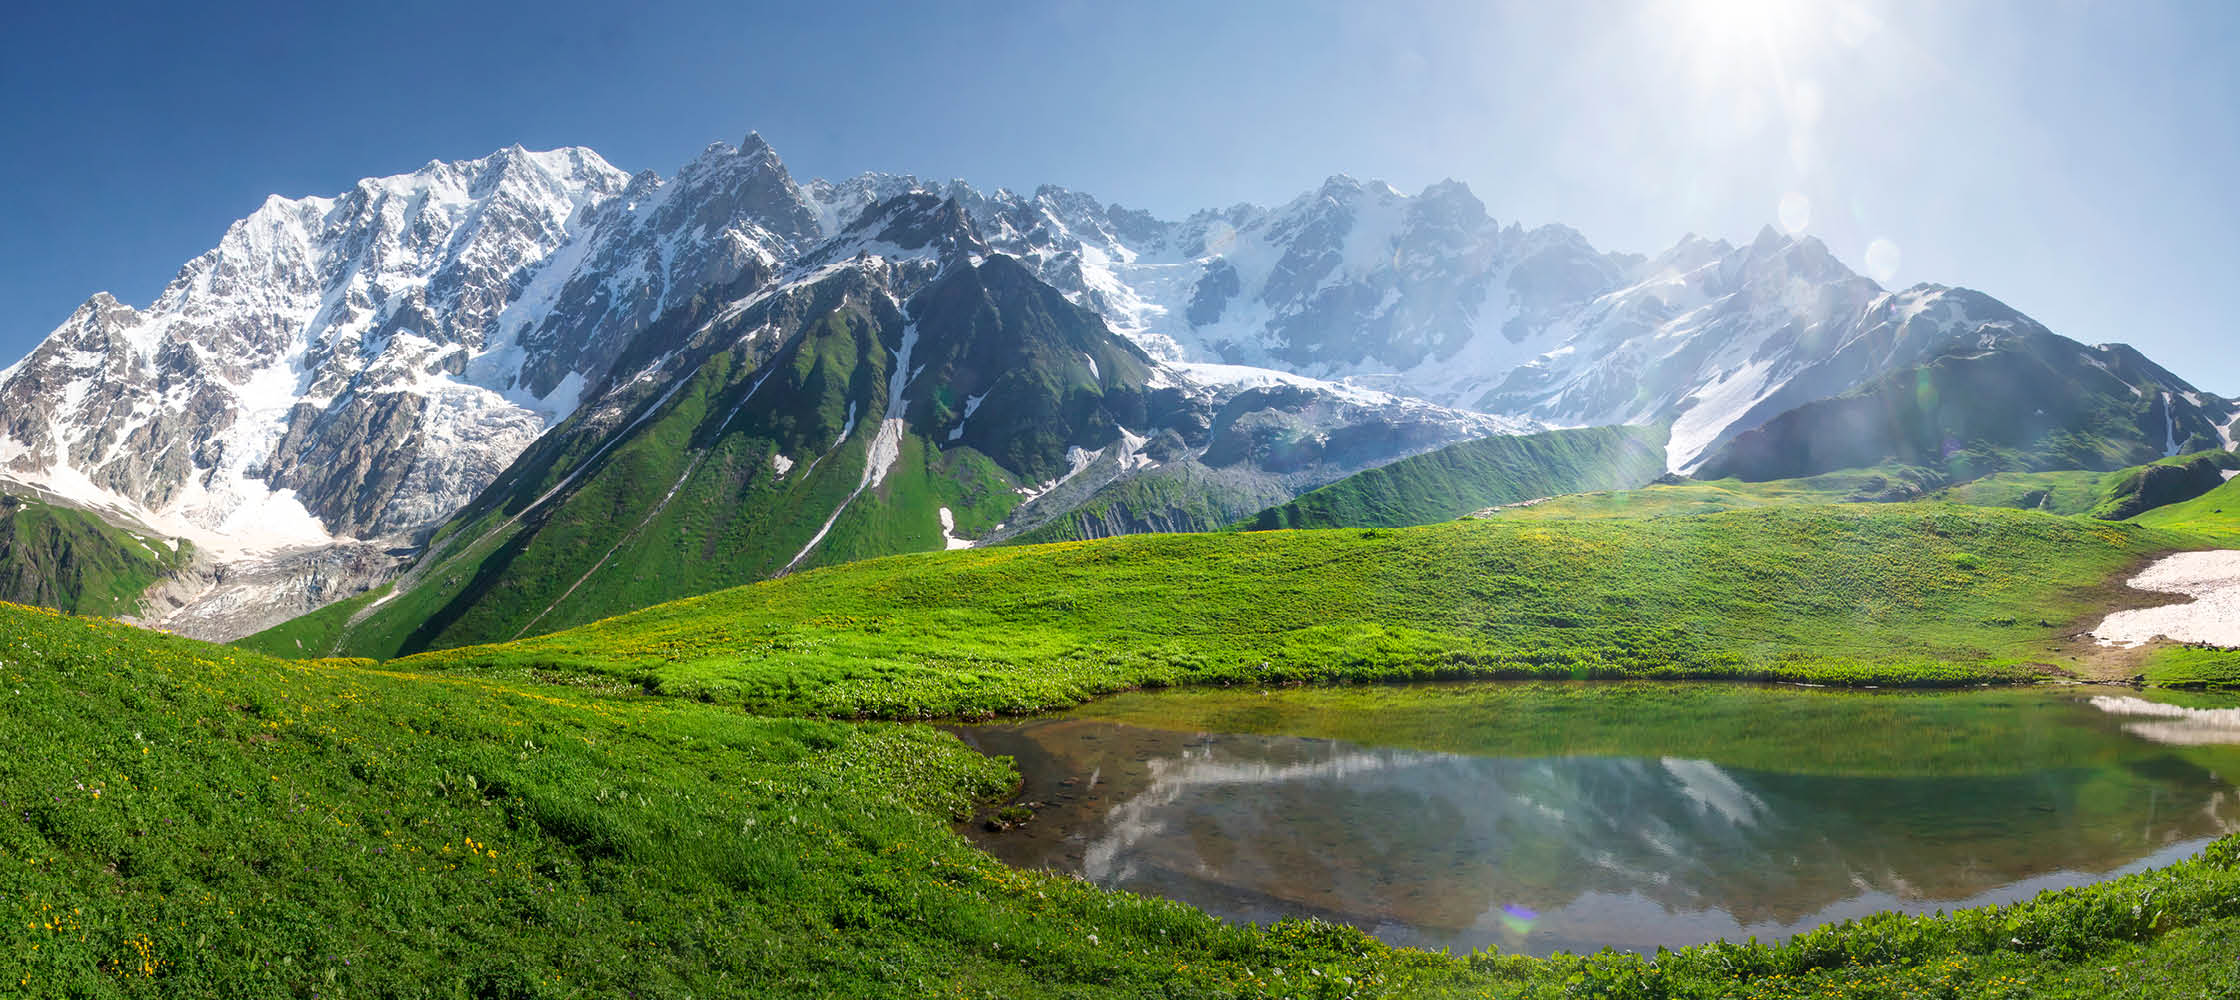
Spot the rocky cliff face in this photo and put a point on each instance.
(1427, 296)
(359, 366)
(305, 378)
(900, 387)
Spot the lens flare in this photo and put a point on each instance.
(1519, 919)
(1796, 213)
(1882, 261)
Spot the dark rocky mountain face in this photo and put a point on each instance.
(901, 387)
(358, 368)
(1427, 296)
(2023, 400)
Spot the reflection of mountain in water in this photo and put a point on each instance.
(1428, 848)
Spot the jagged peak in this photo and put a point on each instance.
(1450, 189)
(98, 303)
(916, 220)
(1557, 234)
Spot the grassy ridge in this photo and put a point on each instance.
(57, 557)
(197, 821)
(194, 820)
(2215, 514)
(691, 501)
(1873, 594)
(1460, 478)
(1699, 496)
(2131, 492)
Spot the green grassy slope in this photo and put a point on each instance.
(2112, 495)
(1460, 478)
(2028, 401)
(57, 557)
(1181, 495)
(2062, 491)
(1697, 496)
(1856, 593)
(189, 820)
(761, 460)
(2131, 492)
(2215, 514)
(194, 820)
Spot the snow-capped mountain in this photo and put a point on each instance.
(1427, 296)
(901, 387)
(360, 366)
(309, 376)
(353, 370)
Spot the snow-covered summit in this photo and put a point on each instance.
(360, 365)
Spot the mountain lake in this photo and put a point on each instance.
(1538, 817)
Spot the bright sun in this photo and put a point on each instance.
(1736, 41)
(1718, 20)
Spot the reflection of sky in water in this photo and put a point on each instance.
(1540, 854)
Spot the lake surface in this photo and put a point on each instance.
(1545, 817)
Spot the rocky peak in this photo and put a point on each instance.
(918, 222)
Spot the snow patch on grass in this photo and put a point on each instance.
(949, 539)
(2212, 579)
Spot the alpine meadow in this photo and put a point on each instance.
(521, 573)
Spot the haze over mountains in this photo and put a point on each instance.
(765, 375)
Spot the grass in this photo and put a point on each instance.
(2068, 491)
(194, 820)
(2215, 514)
(59, 557)
(1472, 475)
(1917, 594)
(2193, 667)
(1697, 496)
(190, 820)
(686, 504)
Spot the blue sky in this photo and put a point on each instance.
(2078, 160)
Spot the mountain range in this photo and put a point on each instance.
(547, 391)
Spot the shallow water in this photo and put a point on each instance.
(1545, 817)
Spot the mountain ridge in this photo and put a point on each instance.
(355, 370)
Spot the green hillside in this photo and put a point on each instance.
(2215, 514)
(1181, 495)
(192, 820)
(57, 557)
(2132, 492)
(1882, 593)
(1698, 496)
(1460, 478)
(793, 441)
(2024, 402)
